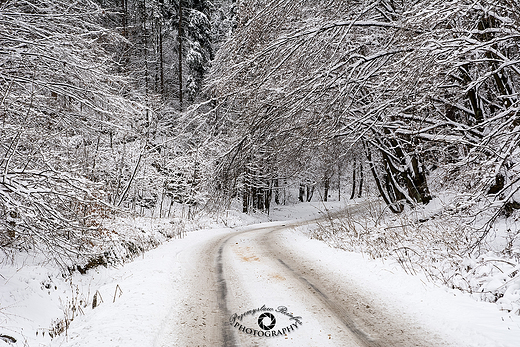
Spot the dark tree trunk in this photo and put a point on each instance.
(416, 182)
(361, 178)
(400, 174)
(161, 59)
(124, 19)
(474, 98)
(353, 180)
(268, 193)
(389, 200)
(145, 49)
(327, 187)
(339, 182)
(310, 192)
(277, 191)
(245, 201)
(301, 193)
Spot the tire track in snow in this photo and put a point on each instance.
(367, 317)
(340, 313)
(227, 334)
(254, 269)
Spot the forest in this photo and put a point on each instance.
(142, 106)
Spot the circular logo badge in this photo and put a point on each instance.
(266, 321)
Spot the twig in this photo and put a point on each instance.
(95, 299)
(120, 292)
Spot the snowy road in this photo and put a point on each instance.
(187, 291)
(256, 268)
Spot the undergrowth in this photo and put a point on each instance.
(442, 246)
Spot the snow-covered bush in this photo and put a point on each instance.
(439, 243)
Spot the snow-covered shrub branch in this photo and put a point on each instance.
(434, 243)
(61, 108)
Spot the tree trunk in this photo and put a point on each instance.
(327, 186)
(416, 181)
(124, 19)
(474, 98)
(277, 191)
(310, 192)
(407, 172)
(245, 201)
(394, 206)
(360, 191)
(353, 180)
(179, 36)
(339, 182)
(161, 59)
(145, 48)
(301, 194)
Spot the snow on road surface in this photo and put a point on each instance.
(185, 292)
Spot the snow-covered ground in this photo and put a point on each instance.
(136, 301)
(37, 302)
(450, 313)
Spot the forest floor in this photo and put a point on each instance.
(184, 292)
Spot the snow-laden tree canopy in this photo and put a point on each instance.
(419, 85)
